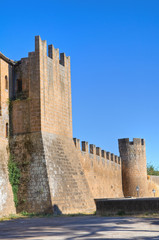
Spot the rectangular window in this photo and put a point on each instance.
(6, 82)
(19, 85)
(7, 130)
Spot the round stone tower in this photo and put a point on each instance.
(134, 170)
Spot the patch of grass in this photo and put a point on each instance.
(9, 217)
(79, 214)
(26, 214)
(148, 215)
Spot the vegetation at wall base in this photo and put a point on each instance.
(14, 177)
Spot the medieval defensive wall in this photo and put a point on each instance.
(42, 168)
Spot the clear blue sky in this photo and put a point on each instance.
(114, 49)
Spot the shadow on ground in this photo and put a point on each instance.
(83, 227)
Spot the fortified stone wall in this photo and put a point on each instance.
(102, 170)
(55, 174)
(155, 179)
(153, 185)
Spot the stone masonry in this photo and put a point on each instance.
(101, 167)
(134, 169)
(6, 195)
(56, 174)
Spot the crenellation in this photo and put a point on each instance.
(77, 143)
(98, 154)
(112, 157)
(116, 159)
(40, 46)
(51, 51)
(84, 146)
(124, 140)
(63, 59)
(136, 141)
(103, 154)
(92, 149)
(68, 59)
(37, 43)
(57, 56)
(98, 151)
(108, 154)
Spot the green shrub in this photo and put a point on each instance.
(14, 177)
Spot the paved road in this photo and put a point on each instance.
(83, 227)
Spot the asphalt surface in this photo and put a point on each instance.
(81, 227)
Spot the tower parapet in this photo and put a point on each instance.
(134, 172)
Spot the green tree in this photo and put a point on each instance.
(151, 170)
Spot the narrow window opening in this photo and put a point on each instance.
(7, 130)
(6, 82)
(19, 85)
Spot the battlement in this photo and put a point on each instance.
(44, 78)
(96, 151)
(136, 141)
(102, 170)
(53, 53)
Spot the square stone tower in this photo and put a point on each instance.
(40, 135)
